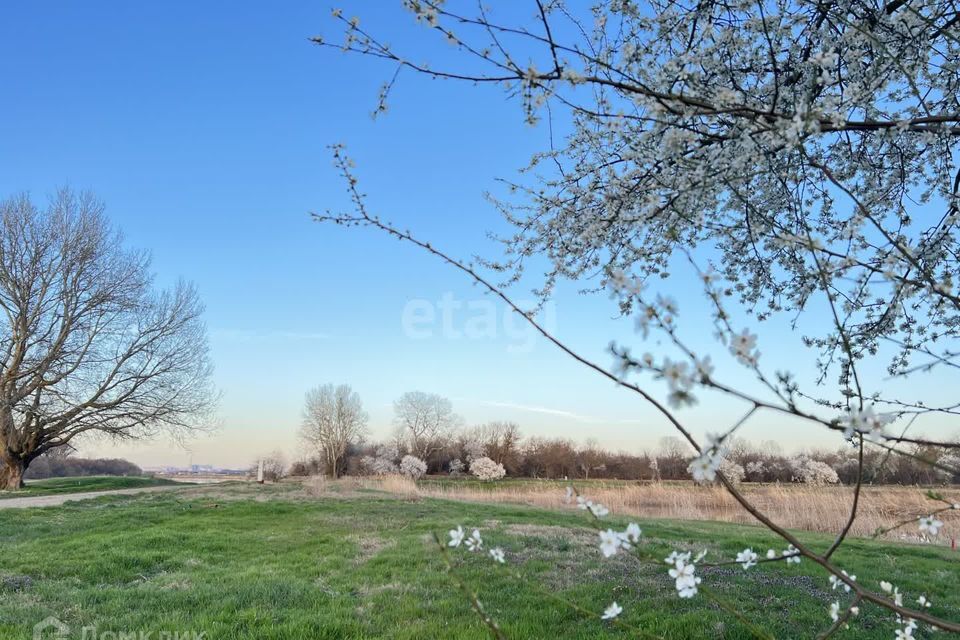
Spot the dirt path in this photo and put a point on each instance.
(60, 498)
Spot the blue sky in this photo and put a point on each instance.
(204, 128)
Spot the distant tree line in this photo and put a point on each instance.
(427, 429)
(59, 463)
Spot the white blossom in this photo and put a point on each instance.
(792, 555)
(676, 374)
(906, 633)
(599, 510)
(610, 543)
(683, 572)
(497, 554)
(704, 367)
(571, 75)
(747, 558)
(612, 611)
(686, 580)
(474, 542)
(897, 597)
(930, 525)
(595, 508)
(456, 536)
(704, 467)
(837, 582)
(866, 422)
(743, 345)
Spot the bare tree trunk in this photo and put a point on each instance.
(332, 462)
(11, 473)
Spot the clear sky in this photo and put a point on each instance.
(204, 128)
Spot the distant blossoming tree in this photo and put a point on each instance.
(378, 466)
(732, 471)
(388, 451)
(413, 466)
(486, 469)
(473, 448)
(810, 471)
(755, 470)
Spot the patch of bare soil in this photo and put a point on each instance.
(61, 498)
(368, 591)
(369, 547)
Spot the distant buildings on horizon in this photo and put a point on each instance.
(196, 469)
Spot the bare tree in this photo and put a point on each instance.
(86, 344)
(333, 418)
(423, 419)
(591, 458)
(501, 441)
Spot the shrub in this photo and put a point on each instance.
(486, 469)
(412, 466)
(755, 471)
(305, 467)
(733, 471)
(811, 471)
(456, 467)
(378, 466)
(388, 451)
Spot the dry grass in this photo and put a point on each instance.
(316, 486)
(395, 484)
(794, 506)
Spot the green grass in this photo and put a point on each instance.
(363, 565)
(52, 486)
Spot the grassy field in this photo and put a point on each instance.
(243, 561)
(52, 486)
